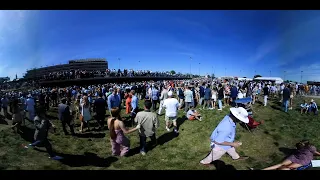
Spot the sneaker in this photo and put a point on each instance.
(200, 119)
(241, 158)
(56, 158)
(176, 130)
(168, 129)
(219, 109)
(143, 153)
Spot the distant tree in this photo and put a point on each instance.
(173, 72)
(255, 76)
(212, 75)
(244, 77)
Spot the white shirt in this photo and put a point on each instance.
(171, 105)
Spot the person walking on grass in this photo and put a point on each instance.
(222, 138)
(65, 116)
(149, 123)
(164, 96)
(171, 105)
(43, 125)
(99, 107)
(119, 142)
(266, 94)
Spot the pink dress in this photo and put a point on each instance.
(120, 145)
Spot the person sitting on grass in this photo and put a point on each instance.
(302, 157)
(192, 114)
(313, 107)
(304, 107)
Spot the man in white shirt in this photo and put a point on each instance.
(171, 105)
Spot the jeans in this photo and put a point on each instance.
(286, 104)
(154, 104)
(201, 100)
(143, 142)
(220, 103)
(46, 144)
(187, 106)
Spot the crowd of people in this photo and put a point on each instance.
(96, 102)
(80, 74)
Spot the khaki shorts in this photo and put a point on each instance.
(173, 119)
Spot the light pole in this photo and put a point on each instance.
(212, 72)
(119, 62)
(301, 77)
(190, 65)
(270, 73)
(199, 69)
(284, 75)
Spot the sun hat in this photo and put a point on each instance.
(240, 113)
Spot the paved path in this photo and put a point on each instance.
(315, 97)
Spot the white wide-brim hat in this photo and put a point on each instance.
(240, 113)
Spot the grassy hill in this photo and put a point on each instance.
(266, 145)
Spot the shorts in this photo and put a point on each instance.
(191, 118)
(173, 119)
(226, 97)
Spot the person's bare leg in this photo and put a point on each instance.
(292, 166)
(301, 110)
(277, 166)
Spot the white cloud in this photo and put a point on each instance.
(293, 43)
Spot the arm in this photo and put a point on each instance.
(317, 153)
(134, 104)
(109, 103)
(125, 130)
(220, 139)
(156, 122)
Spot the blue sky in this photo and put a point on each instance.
(237, 43)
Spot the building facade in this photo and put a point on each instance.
(91, 64)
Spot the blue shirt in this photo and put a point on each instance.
(201, 91)
(224, 132)
(113, 101)
(234, 92)
(134, 102)
(207, 94)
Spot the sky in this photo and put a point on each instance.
(233, 43)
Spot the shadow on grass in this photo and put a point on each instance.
(3, 121)
(220, 165)
(91, 135)
(87, 159)
(276, 107)
(27, 134)
(287, 151)
(160, 141)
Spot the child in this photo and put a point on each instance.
(192, 114)
(313, 107)
(304, 107)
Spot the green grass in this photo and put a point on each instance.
(281, 130)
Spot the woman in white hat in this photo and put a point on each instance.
(222, 138)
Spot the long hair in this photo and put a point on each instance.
(115, 112)
(85, 102)
(303, 144)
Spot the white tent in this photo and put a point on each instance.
(277, 80)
